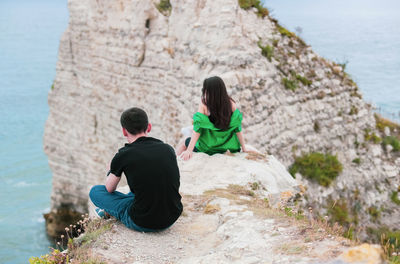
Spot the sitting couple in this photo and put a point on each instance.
(150, 165)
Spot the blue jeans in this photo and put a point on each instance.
(116, 204)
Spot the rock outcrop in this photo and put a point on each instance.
(227, 219)
(118, 54)
(265, 174)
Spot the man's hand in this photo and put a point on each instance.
(112, 182)
(186, 155)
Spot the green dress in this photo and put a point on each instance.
(214, 140)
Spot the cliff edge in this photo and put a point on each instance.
(235, 215)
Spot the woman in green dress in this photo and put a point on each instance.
(217, 124)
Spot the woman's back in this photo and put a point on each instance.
(213, 139)
(204, 110)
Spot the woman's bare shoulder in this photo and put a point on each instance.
(233, 104)
(202, 108)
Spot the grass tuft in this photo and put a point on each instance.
(292, 82)
(285, 32)
(78, 249)
(339, 212)
(289, 84)
(343, 64)
(381, 123)
(95, 229)
(353, 110)
(55, 257)
(247, 4)
(374, 212)
(255, 186)
(395, 197)
(165, 7)
(391, 140)
(267, 51)
(303, 80)
(368, 136)
(389, 240)
(318, 167)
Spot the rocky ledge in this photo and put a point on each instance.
(228, 218)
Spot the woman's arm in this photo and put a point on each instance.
(187, 154)
(241, 140)
(239, 134)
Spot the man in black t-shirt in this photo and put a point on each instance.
(151, 169)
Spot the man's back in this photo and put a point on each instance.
(153, 176)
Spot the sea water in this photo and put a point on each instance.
(363, 32)
(30, 32)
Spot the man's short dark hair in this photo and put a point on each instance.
(134, 120)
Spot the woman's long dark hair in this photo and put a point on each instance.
(215, 97)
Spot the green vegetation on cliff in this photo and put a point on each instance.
(391, 140)
(371, 136)
(395, 197)
(381, 123)
(389, 240)
(267, 51)
(285, 32)
(77, 249)
(289, 84)
(165, 7)
(303, 79)
(318, 167)
(247, 4)
(293, 80)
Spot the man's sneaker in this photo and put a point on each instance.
(100, 213)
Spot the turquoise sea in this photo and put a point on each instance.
(29, 37)
(366, 33)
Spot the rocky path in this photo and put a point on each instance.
(223, 227)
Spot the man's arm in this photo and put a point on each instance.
(112, 182)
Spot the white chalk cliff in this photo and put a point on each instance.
(119, 54)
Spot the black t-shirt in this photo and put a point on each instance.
(152, 172)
